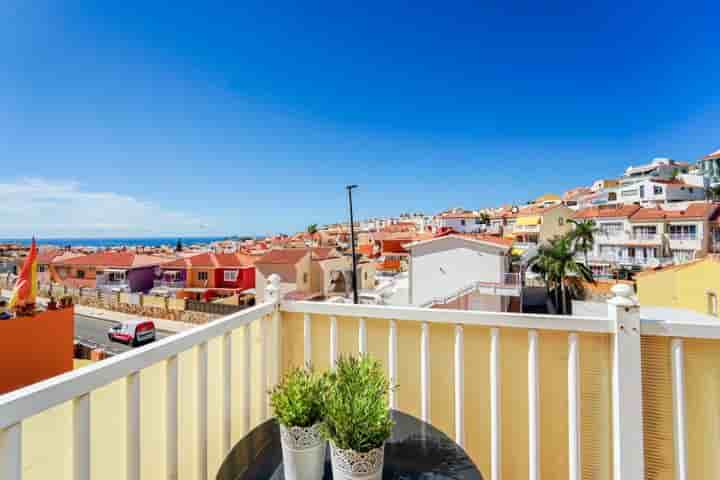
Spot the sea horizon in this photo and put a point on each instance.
(119, 241)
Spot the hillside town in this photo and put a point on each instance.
(657, 215)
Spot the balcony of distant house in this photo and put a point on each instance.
(170, 280)
(112, 280)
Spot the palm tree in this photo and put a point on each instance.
(583, 236)
(556, 261)
(312, 229)
(485, 218)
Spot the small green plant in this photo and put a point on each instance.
(355, 405)
(296, 400)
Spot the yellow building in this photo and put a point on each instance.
(694, 286)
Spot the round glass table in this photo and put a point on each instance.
(416, 450)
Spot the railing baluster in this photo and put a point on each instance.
(263, 370)
(132, 439)
(495, 425)
(392, 362)
(575, 460)
(81, 437)
(333, 341)
(533, 407)
(459, 386)
(362, 336)
(425, 371)
(679, 408)
(276, 350)
(247, 380)
(202, 410)
(307, 336)
(227, 392)
(11, 452)
(171, 417)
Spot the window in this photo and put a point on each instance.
(231, 275)
(561, 221)
(478, 221)
(683, 232)
(610, 229)
(657, 190)
(80, 274)
(612, 196)
(42, 268)
(365, 275)
(116, 276)
(712, 304)
(202, 276)
(462, 222)
(642, 191)
(305, 277)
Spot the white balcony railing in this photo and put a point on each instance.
(682, 236)
(168, 284)
(510, 376)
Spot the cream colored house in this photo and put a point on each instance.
(537, 224)
(292, 265)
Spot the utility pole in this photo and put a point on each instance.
(352, 245)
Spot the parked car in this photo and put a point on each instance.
(133, 332)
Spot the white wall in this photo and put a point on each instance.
(444, 266)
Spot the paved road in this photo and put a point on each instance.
(94, 330)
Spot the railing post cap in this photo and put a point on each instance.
(623, 296)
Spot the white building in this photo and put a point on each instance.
(462, 272)
(465, 222)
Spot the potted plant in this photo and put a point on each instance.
(357, 418)
(296, 401)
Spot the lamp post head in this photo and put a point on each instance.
(350, 187)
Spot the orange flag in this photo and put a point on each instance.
(25, 290)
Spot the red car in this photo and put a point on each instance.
(134, 332)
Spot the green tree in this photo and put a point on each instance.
(485, 218)
(312, 228)
(556, 262)
(178, 246)
(583, 236)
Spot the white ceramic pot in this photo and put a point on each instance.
(303, 451)
(352, 465)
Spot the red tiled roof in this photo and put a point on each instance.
(283, 256)
(693, 211)
(112, 259)
(610, 211)
(321, 253)
(46, 256)
(712, 156)
(212, 260)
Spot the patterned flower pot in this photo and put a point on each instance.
(303, 451)
(352, 465)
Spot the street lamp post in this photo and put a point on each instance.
(352, 244)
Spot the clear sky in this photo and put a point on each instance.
(126, 118)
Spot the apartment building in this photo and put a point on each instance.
(233, 272)
(311, 273)
(616, 245)
(123, 271)
(463, 222)
(684, 230)
(537, 224)
(710, 168)
(635, 237)
(459, 271)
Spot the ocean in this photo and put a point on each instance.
(114, 242)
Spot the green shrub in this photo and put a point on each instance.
(296, 399)
(355, 405)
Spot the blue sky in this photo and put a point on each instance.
(140, 119)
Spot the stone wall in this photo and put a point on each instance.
(132, 303)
